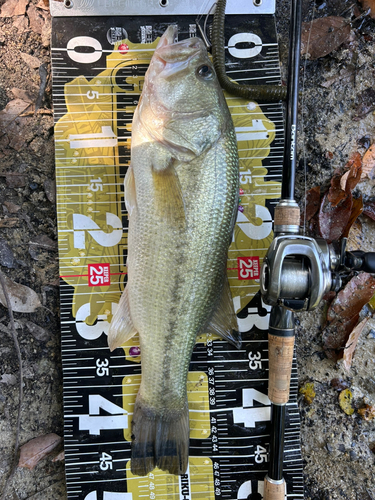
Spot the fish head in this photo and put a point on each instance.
(182, 99)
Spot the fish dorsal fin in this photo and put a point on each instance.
(121, 328)
(224, 320)
(130, 194)
(169, 203)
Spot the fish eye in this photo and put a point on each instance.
(205, 72)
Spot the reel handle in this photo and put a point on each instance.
(361, 261)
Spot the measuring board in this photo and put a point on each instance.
(99, 59)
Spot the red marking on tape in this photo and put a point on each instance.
(248, 268)
(99, 274)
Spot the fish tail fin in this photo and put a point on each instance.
(160, 439)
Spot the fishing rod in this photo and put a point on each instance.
(297, 272)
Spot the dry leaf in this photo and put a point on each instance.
(349, 301)
(43, 4)
(355, 236)
(351, 344)
(368, 161)
(345, 401)
(369, 4)
(13, 109)
(369, 209)
(22, 298)
(365, 103)
(322, 36)
(31, 61)
(334, 219)
(312, 203)
(37, 18)
(338, 209)
(59, 457)
(343, 313)
(14, 8)
(308, 391)
(357, 209)
(36, 449)
(367, 413)
(22, 94)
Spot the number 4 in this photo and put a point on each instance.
(94, 423)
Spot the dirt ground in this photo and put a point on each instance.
(338, 449)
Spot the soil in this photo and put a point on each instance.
(338, 449)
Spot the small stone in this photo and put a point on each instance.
(353, 455)
(8, 379)
(50, 190)
(38, 332)
(339, 384)
(6, 254)
(11, 207)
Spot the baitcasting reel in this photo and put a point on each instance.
(298, 270)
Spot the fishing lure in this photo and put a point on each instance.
(270, 93)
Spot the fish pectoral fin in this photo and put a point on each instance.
(130, 193)
(224, 320)
(121, 328)
(169, 202)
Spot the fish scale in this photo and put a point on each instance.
(97, 465)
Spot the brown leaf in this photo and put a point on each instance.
(43, 4)
(36, 449)
(312, 202)
(334, 219)
(343, 313)
(354, 175)
(22, 94)
(367, 412)
(322, 36)
(369, 4)
(336, 192)
(336, 334)
(355, 236)
(22, 298)
(357, 209)
(365, 104)
(13, 109)
(37, 18)
(368, 162)
(31, 61)
(351, 344)
(349, 301)
(14, 8)
(369, 209)
(59, 457)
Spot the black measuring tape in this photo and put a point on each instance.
(99, 62)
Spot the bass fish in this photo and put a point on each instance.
(181, 193)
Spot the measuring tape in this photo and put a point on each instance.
(99, 63)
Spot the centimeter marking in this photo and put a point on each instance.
(229, 407)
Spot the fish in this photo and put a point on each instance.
(181, 194)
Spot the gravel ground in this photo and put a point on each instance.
(338, 449)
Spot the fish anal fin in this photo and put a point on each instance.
(160, 439)
(130, 193)
(224, 319)
(121, 328)
(168, 196)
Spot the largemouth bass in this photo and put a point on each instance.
(181, 193)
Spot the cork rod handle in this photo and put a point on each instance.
(272, 490)
(280, 354)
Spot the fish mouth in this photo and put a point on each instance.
(178, 53)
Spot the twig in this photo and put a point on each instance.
(43, 83)
(13, 332)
